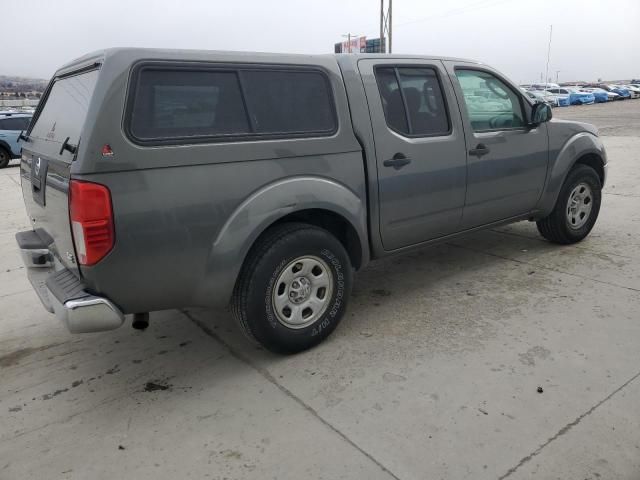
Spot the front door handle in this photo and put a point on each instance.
(398, 161)
(480, 150)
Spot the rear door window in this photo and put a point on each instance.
(413, 101)
(65, 108)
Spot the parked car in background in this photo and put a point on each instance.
(580, 97)
(622, 93)
(543, 96)
(562, 99)
(635, 91)
(11, 124)
(543, 86)
(265, 180)
(601, 94)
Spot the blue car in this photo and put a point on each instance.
(11, 124)
(579, 97)
(623, 92)
(601, 96)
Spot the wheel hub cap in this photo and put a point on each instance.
(579, 206)
(302, 292)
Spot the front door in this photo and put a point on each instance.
(507, 158)
(420, 149)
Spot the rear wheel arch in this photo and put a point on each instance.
(315, 201)
(334, 223)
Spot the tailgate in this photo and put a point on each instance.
(45, 168)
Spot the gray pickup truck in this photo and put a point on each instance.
(159, 179)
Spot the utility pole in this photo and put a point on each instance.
(381, 25)
(557, 72)
(390, 25)
(546, 72)
(386, 25)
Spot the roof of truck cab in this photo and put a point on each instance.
(208, 55)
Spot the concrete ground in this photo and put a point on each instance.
(433, 373)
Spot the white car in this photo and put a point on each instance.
(561, 94)
(635, 90)
(543, 96)
(543, 86)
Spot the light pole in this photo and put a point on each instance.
(546, 72)
(557, 72)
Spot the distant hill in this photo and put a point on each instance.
(12, 84)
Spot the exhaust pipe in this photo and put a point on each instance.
(140, 321)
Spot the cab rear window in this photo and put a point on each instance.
(65, 108)
(182, 105)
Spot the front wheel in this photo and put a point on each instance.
(293, 288)
(576, 209)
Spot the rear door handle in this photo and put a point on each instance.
(398, 161)
(480, 150)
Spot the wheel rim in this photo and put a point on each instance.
(3, 156)
(302, 292)
(579, 206)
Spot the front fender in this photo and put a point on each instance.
(262, 209)
(578, 145)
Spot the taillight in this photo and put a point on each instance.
(91, 221)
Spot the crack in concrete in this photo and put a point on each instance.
(15, 293)
(566, 428)
(522, 262)
(270, 378)
(630, 195)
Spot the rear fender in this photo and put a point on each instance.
(263, 208)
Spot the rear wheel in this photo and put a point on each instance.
(293, 288)
(5, 157)
(576, 209)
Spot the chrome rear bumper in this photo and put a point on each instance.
(64, 294)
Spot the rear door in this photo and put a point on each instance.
(46, 163)
(420, 150)
(507, 158)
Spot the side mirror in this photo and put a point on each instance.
(541, 113)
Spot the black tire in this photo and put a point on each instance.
(252, 303)
(5, 157)
(556, 227)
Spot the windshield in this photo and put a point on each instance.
(65, 108)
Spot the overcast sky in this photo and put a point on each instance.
(591, 38)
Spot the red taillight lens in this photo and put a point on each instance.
(91, 221)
